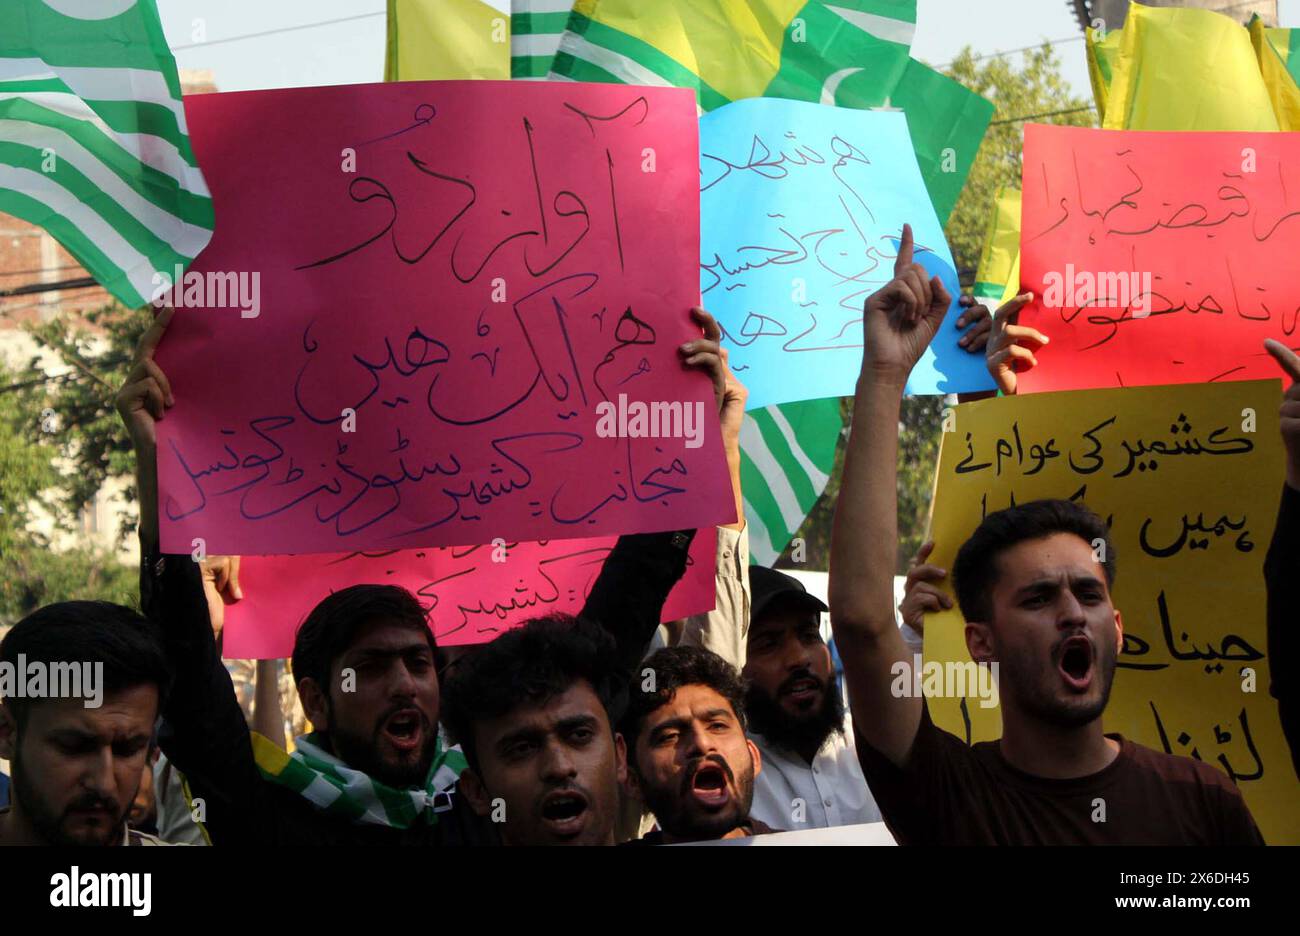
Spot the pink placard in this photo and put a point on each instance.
(471, 594)
(1158, 257)
(463, 326)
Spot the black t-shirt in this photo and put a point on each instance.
(951, 794)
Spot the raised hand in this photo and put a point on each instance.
(708, 355)
(902, 317)
(1011, 347)
(921, 596)
(220, 588)
(146, 394)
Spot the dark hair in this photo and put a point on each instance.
(75, 632)
(673, 668)
(332, 625)
(976, 572)
(529, 666)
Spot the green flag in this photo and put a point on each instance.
(854, 53)
(93, 142)
(535, 30)
(786, 455)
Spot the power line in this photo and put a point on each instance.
(282, 29)
(1036, 45)
(1058, 113)
(84, 282)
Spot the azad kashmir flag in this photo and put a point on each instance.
(497, 39)
(536, 27)
(1174, 68)
(93, 142)
(854, 53)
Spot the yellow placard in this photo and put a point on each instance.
(1189, 478)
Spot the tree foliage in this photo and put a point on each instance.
(60, 440)
(1035, 89)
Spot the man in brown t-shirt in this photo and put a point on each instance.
(1037, 603)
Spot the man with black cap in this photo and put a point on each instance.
(811, 777)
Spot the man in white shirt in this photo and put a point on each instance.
(811, 777)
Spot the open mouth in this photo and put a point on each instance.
(1075, 663)
(403, 729)
(565, 813)
(709, 786)
(804, 689)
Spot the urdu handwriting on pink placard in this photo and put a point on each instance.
(470, 594)
(439, 313)
(1158, 258)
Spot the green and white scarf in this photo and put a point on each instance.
(339, 790)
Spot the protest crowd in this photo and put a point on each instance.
(618, 723)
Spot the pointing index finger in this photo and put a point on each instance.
(904, 251)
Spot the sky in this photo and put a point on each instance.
(299, 53)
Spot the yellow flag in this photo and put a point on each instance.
(1102, 48)
(444, 39)
(1186, 69)
(731, 47)
(997, 278)
(1193, 676)
(1273, 48)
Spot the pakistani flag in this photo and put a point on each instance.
(854, 53)
(93, 142)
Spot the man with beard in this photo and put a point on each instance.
(532, 711)
(77, 760)
(811, 777)
(689, 761)
(1035, 592)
